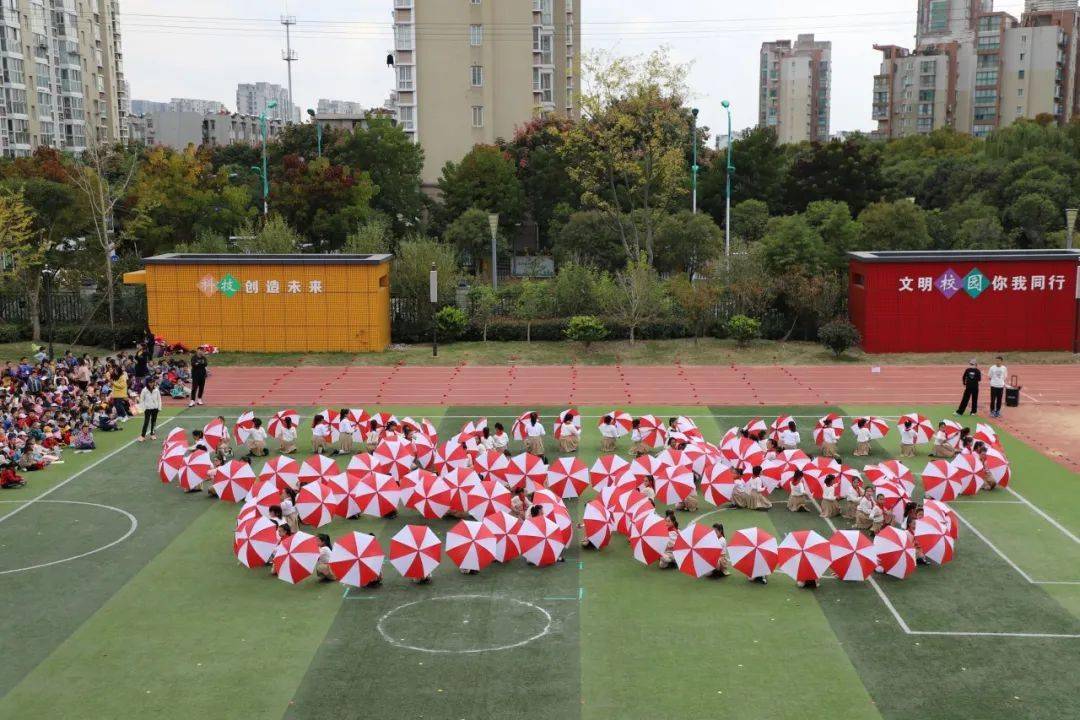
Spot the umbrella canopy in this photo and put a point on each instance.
(772, 473)
(382, 418)
(623, 421)
(344, 488)
(195, 469)
(674, 458)
(952, 432)
(360, 465)
(415, 551)
(318, 468)
(698, 550)
(895, 552)
(924, 429)
(283, 471)
(853, 555)
(987, 435)
(360, 418)
(332, 419)
(486, 497)
(699, 454)
(504, 527)
(832, 420)
(755, 426)
(933, 538)
(877, 426)
(526, 470)
(471, 432)
(804, 556)
(649, 536)
(409, 482)
(606, 469)
(742, 451)
(432, 498)
(277, 421)
(815, 472)
(357, 559)
(255, 541)
(393, 457)
(568, 477)
(753, 552)
(541, 540)
(575, 419)
(596, 523)
(673, 484)
(470, 545)
(779, 425)
(688, 428)
(423, 448)
(459, 480)
(893, 471)
(945, 515)
(244, 425)
(214, 433)
(653, 432)
(263, 495)
(449, 455)
(718, 484)
(626, 508)
(965, 471)
(176, 435)
(171, 461)
(233, 481)
(296, 557)
(492, 465)
(376, 495)
(851, 481)
(248, 511)
(641, 467)
(316, 503)
(936, 483)
(997, 465)
(520, 427)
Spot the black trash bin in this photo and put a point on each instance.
(1012, 392)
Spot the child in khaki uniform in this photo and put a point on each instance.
(862, 438)
(799, 496)
(907, 439)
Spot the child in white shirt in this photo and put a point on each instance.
(828, 442)
(907, 439)
(569, 435)
(608, 434)
(346, 428)
(789, 437)
(798, 495)
(320, 435)
(862, 438)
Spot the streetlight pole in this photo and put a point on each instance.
(1070, 225)
(433, 292)
(694, 167)
(727, 201)
(493, 222)
(265, 173)
(318, 129)
(48, 273)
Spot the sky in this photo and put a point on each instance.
(203, 48)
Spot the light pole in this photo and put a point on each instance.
(493, 222)
(433, 292)
(318, 129)
(48, 273)
(1070, 225)
(694, 167)
(264, 173)
(727, 201)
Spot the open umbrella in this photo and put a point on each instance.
(717, 484)
(357, 559)
(895, 552)
(627, 508)
(449, 455)
(176, 435)
(316, 503)
(383, 418)
(987, 435)
(877, 426)
(673, 484)
(459, 480)
(423, 448)
(520, 427)
(623, 421)
(832, 420)
(952, 433)
(415, 551)
(233, 480)
(641, 467)
(653, 432)
(470, 545)
(853, 555)
(649, 537)
(596, 523)
(893, 471)
(360, 418)
(815, 472)
(965, 471)
(283, 470)
(742, 451)
(432, 498)
(779, 425)
(345, 488)
(317, 468)
(471, 432)
(936, 483)
(804, 556)
(409, 483)
(755, 426)
(277, 421)
(945, 515)
(393, 458)
(376, 495)
(214, 433)
(244, 425)
(997, 465)
(360, 465)
(492, 465)
(254, 541)
(248, 511)
(541, 541)
(688, 428)
(504, 527)
(698, 550)
(195, 469)
(296, 557)
(606, 469)
(486, 497)
(264, 494)
(772, 473)
(575, 418)
(568, 477)
(924, 429)
(753, 552)
(933, 539)
(526, 470)
(334, 421)
(699, 454)
(674, 458)
(171, 461)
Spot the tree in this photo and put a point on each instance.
(533, 301)
(485, 180)
(686, 242)
(791, 246)
(761, 165)
(744, 329)
(983, 233)
(839, 232)
(849, 171)
(634, 296)
(470, 233)
(412, 267)
(574, 290)
(276, 237)
(535, 153)
(374, 237)
(899, 225)
(483, 302)
(749, 220)
(839, 336)
(585, 329)
(1034, 216)
(589, 237)
(21, 255)
(323, 201)
(696, 300)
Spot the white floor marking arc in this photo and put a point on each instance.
(131, 530)
(468, 651)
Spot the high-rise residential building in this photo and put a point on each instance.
(463, 70)
(62, 79)
(253, 98)
(195, 105)
(794, 88)
(975, 69)
(339, 107)
(145, 107)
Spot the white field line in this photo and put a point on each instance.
(80, 473)
(994, 547)
(1038, 511)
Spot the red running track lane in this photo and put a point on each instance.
(521, 386)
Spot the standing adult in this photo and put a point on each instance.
(150, 399)
(971, 378)
(198, 378)
(997, 372)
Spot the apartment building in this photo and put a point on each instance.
(339, 107)
(975, 69)
(180, 128)
(467, 72)
(61, 75)
(794, 88)
(195, 105)
(254, 99)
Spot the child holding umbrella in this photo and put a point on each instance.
(756, 488)
(569, 435)
(534, 435)
(908, 436)
(637, 439)
(799, 496)
(862, 438)
(608, 434)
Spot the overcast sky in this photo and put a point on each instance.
(203, 48)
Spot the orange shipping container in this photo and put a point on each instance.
(269, 303)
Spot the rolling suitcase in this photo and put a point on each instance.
(1012, 392)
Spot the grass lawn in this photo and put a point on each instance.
(166, 624)
(707, 351)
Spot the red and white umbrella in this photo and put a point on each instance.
(376, 495)
(470, 545)
(450, 455)
(877, 426)
(543, 496)
(673, 484)
(717, 484)
(332, 419)
(486, 497)
(283, 471)
(382, 418)
(233, 481)
(317, 468)
(924, 429)
(357, 559)
(393, 458)
(622, 421)
(415, 551)
(432, 498)
(459, 480)
(936, 483)
(568, 477)
(851, 481)
(669, 457)
(492, 464)
(526, 470)
(171, 461)
(176, 435)
(248, 511)
(965, 471)
(952, 432)
(699, 454)
(804, 556)
(934, 540)
(649, 536)
(263, 495)
(277, 423)
(641, 467)
(772, 473)
(779, 425)
(689, 428)
(214, 433)
(360, 465)
(541, 540)
(195, 469)
(895, 552)
(520, 427)
(344, 489)
(997, 465)
(296, 557)
(698, 550)
(316, 503)
(893, 496)
(607, 469)
(409, 483)
(894, 471)
(504, 527)
(853, 555)
(244, 425)
(815, 472)
(987, 435)
(794, 460)
(428, 430)
(423, 448)
(832, 420)
(597, 523)
(471, 432)
(410, 424)
(653, 432)
(254, 541)
(753, 552)
(360, 418)
(742, 451)
(945, 515)
(575, 419)
(626, 508)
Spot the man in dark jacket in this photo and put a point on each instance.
(971, 378)
(198, 378)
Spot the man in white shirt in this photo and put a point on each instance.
(997, 372)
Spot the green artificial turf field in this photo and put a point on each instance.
(152, 616)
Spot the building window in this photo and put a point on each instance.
(475, 2)
(476, 76)
(1020, 74)
(939, 16)
(403, 4)
(1019, 110)
(478, 116)
(1020, 92)
(986, 77)
(476, 35)
(985, 97)
(406, 117)
(405, 77)
(403, 37)
(990, 23)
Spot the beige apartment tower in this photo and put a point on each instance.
(468, 72)
(794, 89)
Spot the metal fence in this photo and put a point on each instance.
(71, 308)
